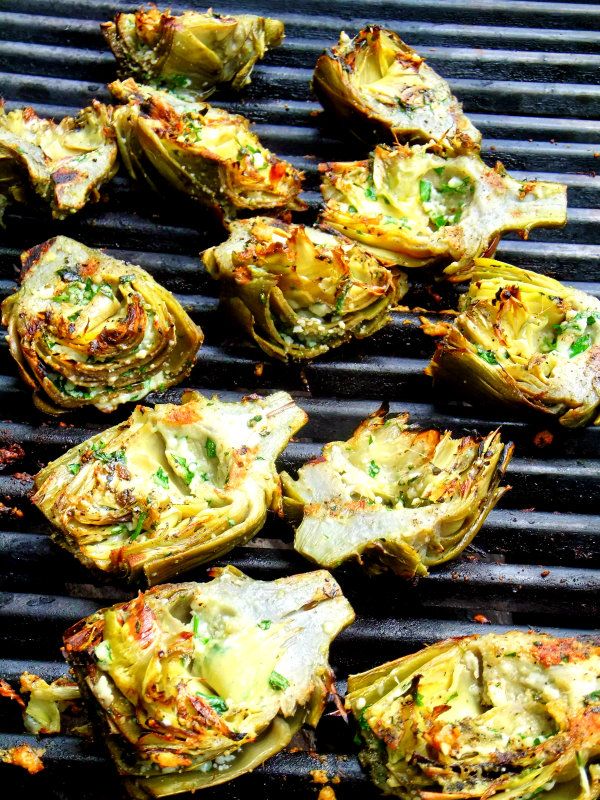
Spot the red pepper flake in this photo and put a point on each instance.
(544, 573)
(482, 619)
(259, 369)
(543, 439)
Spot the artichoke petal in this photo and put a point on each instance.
(412, 207)
(299, 291)
(378, 84)
(196, 683)
(524, 340)
(508, 715)
(171, 487)
(202, 151)
(192, 52)
(395, 498)
(46, 702)
(64, 163)
(87, 329)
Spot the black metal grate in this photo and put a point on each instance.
(527, 72)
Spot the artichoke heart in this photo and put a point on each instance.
(192, 52)
(299, 291)
(202, 151)
(411, 207)
(511, 716)
(170, 487)
(87, 329)
(525, 340)
(379, 85)
(197, 683)
(64, 163)
(395, 497)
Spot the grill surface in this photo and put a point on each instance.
(527, 73)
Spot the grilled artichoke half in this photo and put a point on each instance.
(202, 151)
(171, 487)
(194, 51)
(86, 329)
(512, 715)
(65, 163)
(411, 207)
(378, 84)
(299, 291)
(395, 498)
(524, 339)
(197, 683)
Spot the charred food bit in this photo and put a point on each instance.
(195, 684)
(299, 291)
(395, 498)
(87, 329)
(172, 486)
(202, 151)
(411, 207)
(381, 87)
(509, 716)
(526, 341)
(192, 52)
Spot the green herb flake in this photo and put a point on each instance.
(453, 696)
(219, 705)
(352, 210)
(264, 624)
(74, 468)
(418, 697)
(425, 190)
(593, 697)
(374, 469)
(211, 448)
(138, 526)
(127, 278)
(189, 473)
(580, 345)
(487, 355)
(161, 478)
(252, 422)
(370, 193)
(278, 682)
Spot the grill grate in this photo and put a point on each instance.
(527, 73)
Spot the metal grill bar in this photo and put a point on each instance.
(527, 73)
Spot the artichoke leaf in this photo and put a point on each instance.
(379, 85)
(526, 341)
(46, 702)
(202, 151)
(299, 291)
(170, 487)
(413, 208)
(194, 684)
(191, 53)
(393, 497)
(87, 329)
(64, 163)
(508, 715)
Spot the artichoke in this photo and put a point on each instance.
(378, 84)
(411, 207)
(395, 497)
(299, 291)
(194, 51)
(46, 702)
(171, 487)
(524, 339)
(512, 715)
(86, 329)
(202, 151)
(197, 683)
(64, 163)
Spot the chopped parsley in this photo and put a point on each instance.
(278, 682)
(138, 526)
(580, 345)
(211, 448)
(126, 278)
(188, 476)
(352, 209)
(374, 469)
(593, 697)
(252, 422)
(487, 355)
(74, 468)
(219, 705)
(98, 451)
(264, 624)
(425, 190)
(161, 478)
(80, 292)
(370, 193)
(418, 699)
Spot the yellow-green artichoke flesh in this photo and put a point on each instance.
(64, 163)
(192, 52)
(379, 85)
(510, 716)
(87, 329)
(170, 487)
(525, 340)
(395, 498)
(197, 683)
(412, 207)
(202, 151)
(47, 701)
(299, 291)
